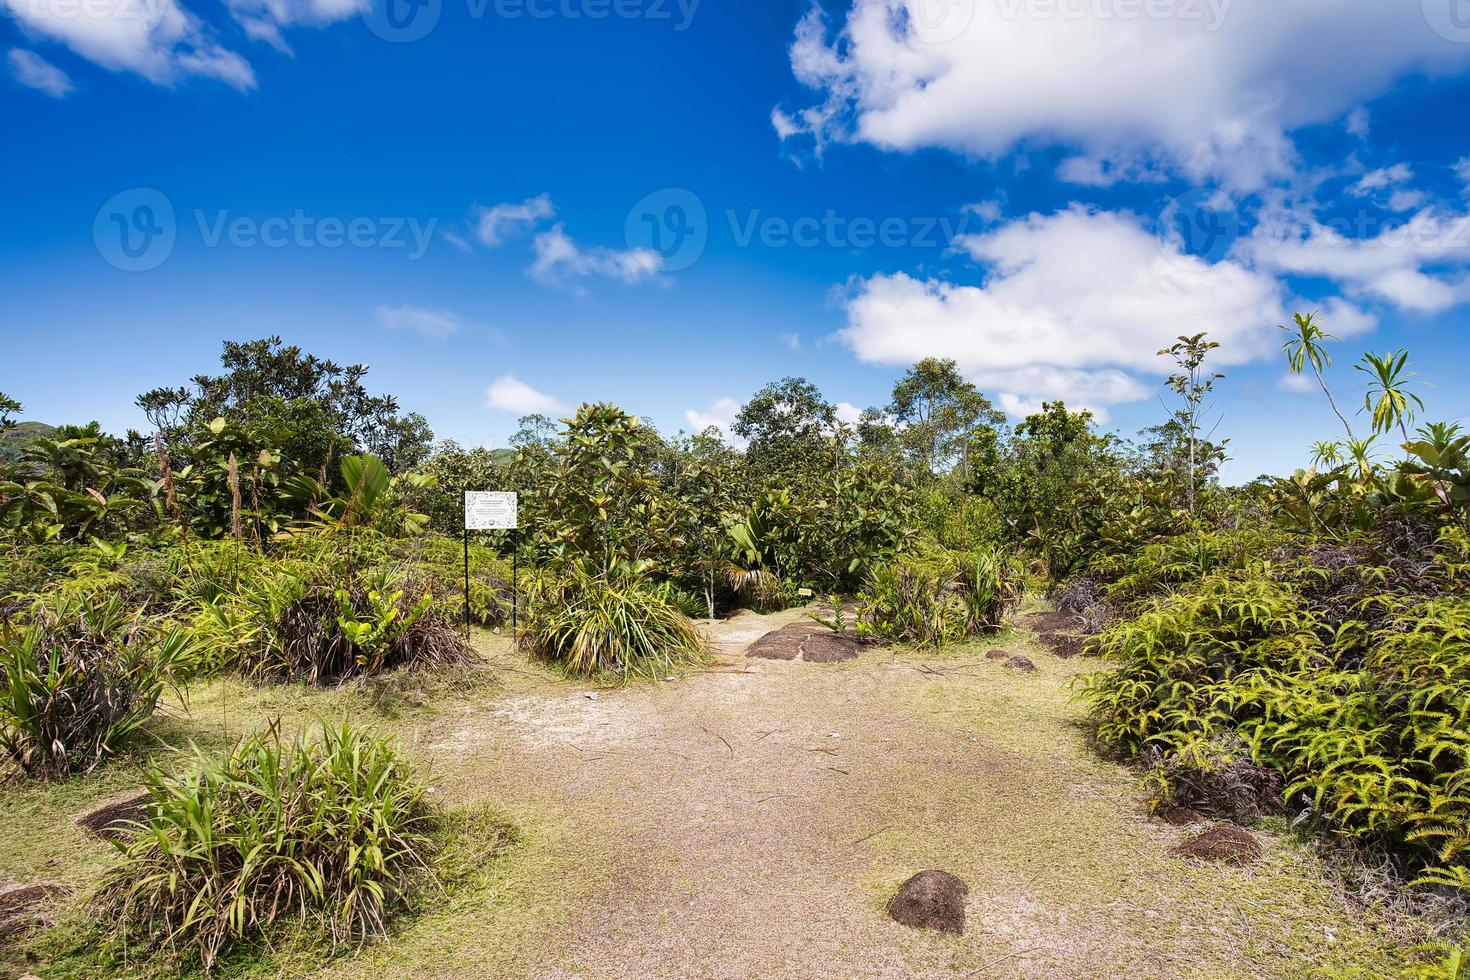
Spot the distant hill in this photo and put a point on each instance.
(14, 440)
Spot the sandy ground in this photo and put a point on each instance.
(752, 820)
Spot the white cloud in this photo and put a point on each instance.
(720, 415)
(1297, 384)
(1375, 180)
(263, 20)
(1417, 264)
(1359, 122)
(498, 224)
(421, 320)
(157, 39)
(1208, 89)
(1073, 306)
(508, 393)
(34, 71)
(849, 413)
(791, 340)
(560, 261)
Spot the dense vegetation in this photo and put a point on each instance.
(1298, 645)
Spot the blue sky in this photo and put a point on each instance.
(1046, 190)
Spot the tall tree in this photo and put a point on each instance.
(786, 424)
(1193, 384)
(937, 412)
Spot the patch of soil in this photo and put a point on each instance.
(931, 900)
(21, 907)
(829, 647)
(1181, 816)
(1223, 844)
(1049, 622)
(1023, 664)
(808, 642)
(113, 821)
(1063, 645)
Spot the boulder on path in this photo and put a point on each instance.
(22, 907)
(1222, 844)
(114, 821)
(1023, 664)
(931, 900)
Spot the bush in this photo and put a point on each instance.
(937, 596)
(334, 832)
(1334, 680)
(80, 676)
(619, 624)
(322, 626)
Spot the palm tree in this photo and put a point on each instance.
(1306, 347)
(1389, 399)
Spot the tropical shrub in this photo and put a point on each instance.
(80, 675)
(334, 832)
(618, 624)
(938, 597)
(1332, 680)
(322, 625)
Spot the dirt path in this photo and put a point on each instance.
(752, 820)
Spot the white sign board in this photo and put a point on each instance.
(487, 511)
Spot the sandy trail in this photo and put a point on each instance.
(752, 819)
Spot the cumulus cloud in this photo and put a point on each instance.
(560, 261)
(1207, 89)
(848, 412)
(157, 39)
(508, 393)
(496, 225)
(719, 415)
(34, 71)
(1073, 305)
(436, 324)
(1421, 263)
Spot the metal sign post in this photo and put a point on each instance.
(492, 511)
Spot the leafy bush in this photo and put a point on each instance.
(324, 625)
(1348, 681)
(80, 676)
(335, 832)
(620, 624)
(937, 597)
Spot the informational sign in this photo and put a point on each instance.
(489, 511)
